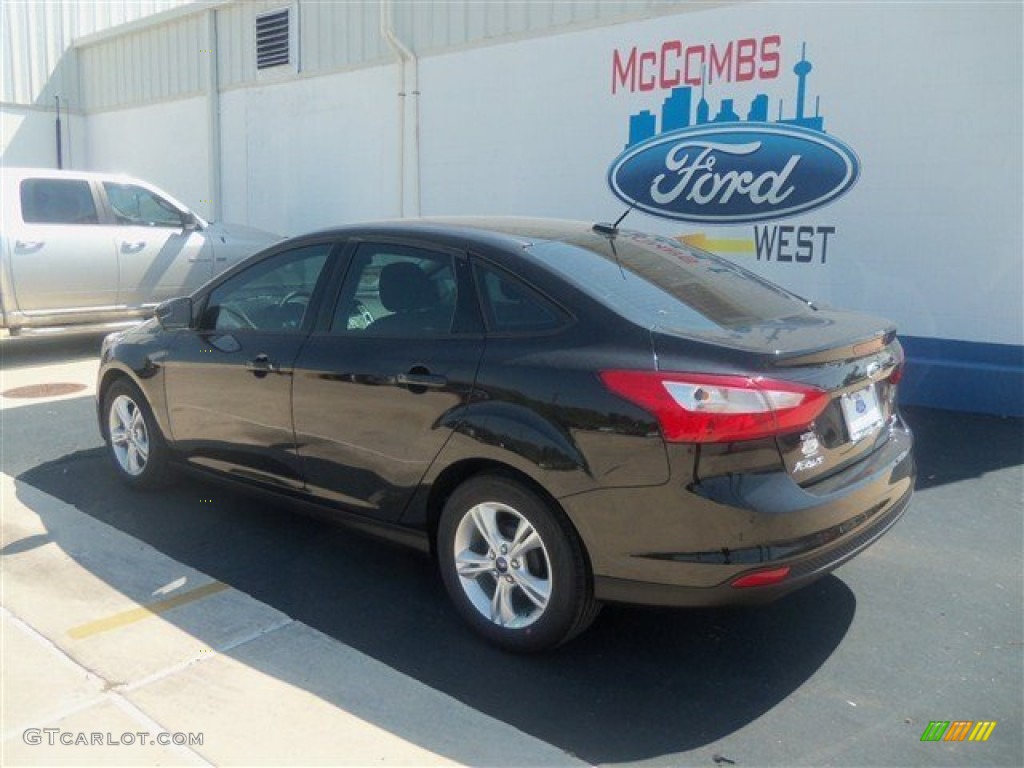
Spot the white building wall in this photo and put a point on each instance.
(28, 137)
(337, 163)
(38, 63)
(164, 143)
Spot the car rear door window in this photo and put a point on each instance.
(137, 206)
(510, 306)
(396, 290)
(57, 201)
(272, 295)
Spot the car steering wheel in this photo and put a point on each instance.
(290, 297)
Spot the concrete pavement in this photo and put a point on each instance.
(246, 682)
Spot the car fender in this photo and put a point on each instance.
(144, 370)
(501, 435)
(514, 429)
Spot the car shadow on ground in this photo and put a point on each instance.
(23, 351)
(640, 684)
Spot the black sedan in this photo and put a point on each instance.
(562, 414)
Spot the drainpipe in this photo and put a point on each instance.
(213, 114)
(405, 56)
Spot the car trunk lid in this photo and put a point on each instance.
(854, 358)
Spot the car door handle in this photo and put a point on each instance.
(261, 365)
(133, 245)
(421, 380)
(29, 244)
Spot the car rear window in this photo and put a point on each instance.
(659, 282)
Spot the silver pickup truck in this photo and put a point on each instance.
(86, 249)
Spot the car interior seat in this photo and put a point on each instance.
(409, 294)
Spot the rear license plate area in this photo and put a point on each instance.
(861, 412)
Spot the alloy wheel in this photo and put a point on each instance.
(503, 565)
(129, 436)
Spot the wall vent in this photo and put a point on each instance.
(273, 39)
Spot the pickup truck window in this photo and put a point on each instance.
(137, 206)
(57, 201)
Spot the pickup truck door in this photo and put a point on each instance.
(62, 258)
(159, 256)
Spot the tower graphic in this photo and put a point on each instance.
(802, 69)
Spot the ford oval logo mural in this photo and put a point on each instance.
(734, 174)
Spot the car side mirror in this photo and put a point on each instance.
(190, 222)
(175, 314)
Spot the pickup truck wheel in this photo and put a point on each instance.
(136, 445)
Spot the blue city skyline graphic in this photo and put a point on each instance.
(677, 110)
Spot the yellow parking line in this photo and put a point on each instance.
(145, 611)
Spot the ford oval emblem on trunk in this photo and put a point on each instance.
(734, 174)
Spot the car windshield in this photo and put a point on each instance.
(658, 282)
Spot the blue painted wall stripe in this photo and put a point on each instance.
(964, 375)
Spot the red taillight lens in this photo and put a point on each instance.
(762, 578)
(704, 408)
(901, 362)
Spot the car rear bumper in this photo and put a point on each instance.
(686, 545)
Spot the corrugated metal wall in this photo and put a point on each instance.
(339, 35)
(159, 63)
(36, 37)
(165, 60)
(433, 27)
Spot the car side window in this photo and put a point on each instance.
(57, 201)
(397, 290)
(510, 306)
(271, 296)
(137, 206)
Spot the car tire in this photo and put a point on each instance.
(136, 445)
(513, 565)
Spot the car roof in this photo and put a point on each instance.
(494, 230)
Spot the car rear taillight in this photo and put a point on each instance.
(901, 362)
(762, 578)
(703, 408)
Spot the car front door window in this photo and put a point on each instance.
(271, 296)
